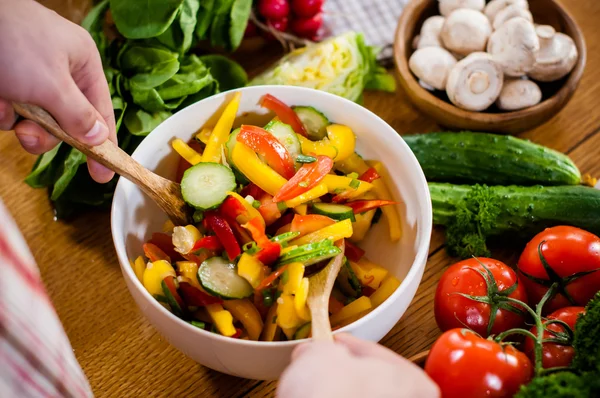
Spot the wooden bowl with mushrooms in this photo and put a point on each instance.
(501, 66)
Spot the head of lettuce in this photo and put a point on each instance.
(342, 65)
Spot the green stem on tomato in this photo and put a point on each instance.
(508, 332)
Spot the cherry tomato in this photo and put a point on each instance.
(455, 311)
(567, 251)
(307, 27)
(274, 9)
(307, 8)
(465, 365)
(269, 147)
(554, 354)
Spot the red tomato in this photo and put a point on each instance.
(309, 223)
(306, 178)
(465, 365)
(455, 311)
(306, 8)
(554, 354)
(274, 9)
(284, 112)
(567, 251)
(269, 147)
(268, 209)
(307, 27)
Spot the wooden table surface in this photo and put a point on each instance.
(122, 354)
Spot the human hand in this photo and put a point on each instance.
(352, 368)
(53, 63)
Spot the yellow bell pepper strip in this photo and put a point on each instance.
(388, 286)
(184, 238)
(352, 164)
(238, 209)
(139, 266)
(222, 319)
(154, 274)
(251, 269)
(309, 195)
(353, 309)
(287, 317)
(343, 139)
(204, 135)
(245, 312)
(389, 212)
(301, 209)
(300, 300)
(289, 332)
(220, 134)
(361, 226)
(293, 278)
(189, 270)
(186, 152)
(340, 184)
(368, 273)
(168, 227)
(271, 330)
(256, 171)
(323, 147)
(335, 232)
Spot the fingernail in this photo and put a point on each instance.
(97, 134)
(28, 141)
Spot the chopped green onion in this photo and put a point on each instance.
(267, 298)
(277, 294)
(354, 176)
(198, 216)
(198, 324)
(303, 184)
(256, 204)
(250, 248)
(305, 159)
(281, 206)
(285, 277)
(338, 191)
(274, 320)
(284, 237)
(354, 184)
(160, 298)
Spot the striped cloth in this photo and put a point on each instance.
(36, 358)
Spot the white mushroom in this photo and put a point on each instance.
(430, 33)
(557, 56)
(495, 6)
(447, 6)
(518, 94)
(514, 46)
(509, 12)
(475, 82)
(465, 31)
(432, 65)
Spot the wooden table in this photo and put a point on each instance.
(123, 356)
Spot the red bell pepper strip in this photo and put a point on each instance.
(252, 190)
(309, 223)
(209, 243)
(269, 251)
(335, 305)
(154, 253)
(370, 175)
(285, 113)
(361, 206)
(170, 282)
(225, 234)
(238, 333)
(269, 147)
(195, 297)
(353, 252)
(199, 258)
(231, 208)
(183, 164)
(265, 283)
(165, 243)
(306, 178)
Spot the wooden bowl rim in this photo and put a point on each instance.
(412, 84)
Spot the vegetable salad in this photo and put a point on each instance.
(274, 204)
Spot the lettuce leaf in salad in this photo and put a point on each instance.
(343, 65)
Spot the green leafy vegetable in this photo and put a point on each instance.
(586, 341)
(562, 385)
(143, 19)
(228, 73)
(205, 15)
(238, 21)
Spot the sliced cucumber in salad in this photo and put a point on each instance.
(205, 185)
(286, 135)
(314, 121)
(310, 253)
(219, 277)
(239, 176)
(347, 281)
(334, 211)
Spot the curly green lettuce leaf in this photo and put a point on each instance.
(586, 341)
(341, 65)
(562, 385)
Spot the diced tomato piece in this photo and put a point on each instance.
(209, 243)
(353, 252)
(361, 206)
(195, 297)
(154, 253)
(310, 223)
(165, 243)
(269, 147)
(285, 113)
(225, 234)
(268, 209)
(370, 175)
(306, 178)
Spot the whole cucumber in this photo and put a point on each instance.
(524, 210)
(481, 158)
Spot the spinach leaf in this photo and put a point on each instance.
(143, 19)
(219, 30)
(205, 17)
(148, 67)
(140, 122)
(93, 23)
(119, 107)
(192, 77)
(240, 12)
(72, 162)
(228, 73)
(42, 173)
(187, 22)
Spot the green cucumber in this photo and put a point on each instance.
(219, 277)
(467, 157)
(302, 332)
(241, 178)
(284, 237)
(347, 281)
(314, 121)
(286, 135)
(310, 253)
(205, 185)
(334, 211)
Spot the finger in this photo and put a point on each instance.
(7, 115)
(98, 172)
(34, 138)
(316, 346)
(363, 348)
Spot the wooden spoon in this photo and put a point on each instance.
(319, 290)
(165, 193)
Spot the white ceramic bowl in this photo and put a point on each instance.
(135, 217)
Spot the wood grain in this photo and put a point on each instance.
(123, 356)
